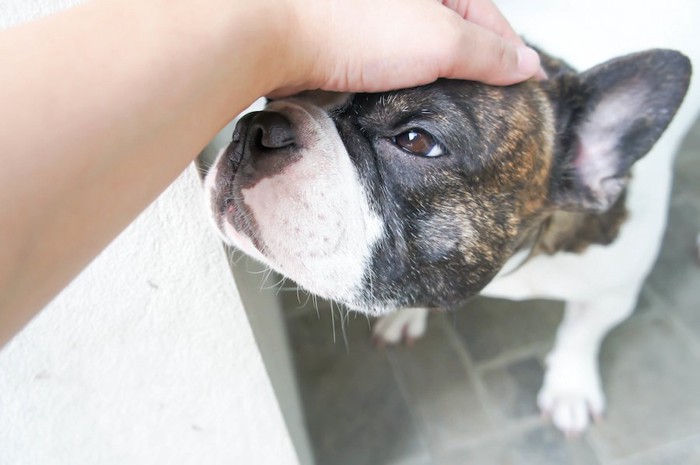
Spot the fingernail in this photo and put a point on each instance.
(528, 61)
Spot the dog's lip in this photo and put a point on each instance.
(235, 149)
(226, 201)
(230, 166)
(227, 208)
(234, 154)
(227, 212)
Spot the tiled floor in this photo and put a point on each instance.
(465, 393)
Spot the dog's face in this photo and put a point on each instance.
(420, 196)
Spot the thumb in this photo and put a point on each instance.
(485, 56)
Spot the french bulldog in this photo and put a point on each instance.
(422, 198)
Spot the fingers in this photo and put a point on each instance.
(374, 46)
(485, 14)
(482, 55)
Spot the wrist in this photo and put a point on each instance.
(290, 56)
(257, 44)
(244, 47)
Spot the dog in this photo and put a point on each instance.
(397, 202)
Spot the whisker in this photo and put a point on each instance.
(315, 301)
(279, 285)
(343, 326)
(333, 320)
(289, 289)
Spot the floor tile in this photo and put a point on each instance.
(492, 327)
(354, 408)
(648, 301)
(440, 389)
(687, 166)
(684, 452)
(676, 274)
(512, 389)
(651, 380)
(542, 445)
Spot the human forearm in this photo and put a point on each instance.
(109, 103)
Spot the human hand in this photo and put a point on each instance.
(372, 45)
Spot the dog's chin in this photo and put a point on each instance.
(298, 264)
(239, 240)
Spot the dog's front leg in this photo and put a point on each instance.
(407, 324)
(571, 392)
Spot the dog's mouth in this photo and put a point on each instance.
(228, 168)
(225, 195)
(227, 209)
(227, 203)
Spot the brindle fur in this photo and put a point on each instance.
(573, 231)
(453, 221)
(512, 178)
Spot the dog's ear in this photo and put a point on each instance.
(607, 119)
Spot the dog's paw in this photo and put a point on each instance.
(407, 324)
(571, 396)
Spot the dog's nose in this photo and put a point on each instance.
(270, 130)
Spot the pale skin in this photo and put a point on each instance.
(106, 103)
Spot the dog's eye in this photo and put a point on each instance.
(418, 142)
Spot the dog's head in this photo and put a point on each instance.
(419, 196)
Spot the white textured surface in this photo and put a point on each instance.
(147, 357)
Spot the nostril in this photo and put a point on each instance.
(256, 136)
(270, 130)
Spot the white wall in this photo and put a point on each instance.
(147, 357)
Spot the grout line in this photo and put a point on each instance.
(688, 337)
(597, 442)
(509, 428)
(655, 298)
(503, 434)
(498, 428)
(536, 350)
(416, 417)
(598, 446)
(659, 305)
(629, 460)
(412, 461)
(470, 367)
